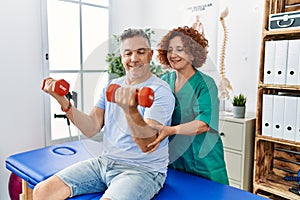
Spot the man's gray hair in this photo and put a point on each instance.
(129, 33)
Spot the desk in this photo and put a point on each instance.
(37, 165)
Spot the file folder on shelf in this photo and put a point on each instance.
(290, 118)
(278, 116)
(293, 62)
(269, 62)
(267, 115)
(280, 62)
(298, 122)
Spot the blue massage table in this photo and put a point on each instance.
(37, 165)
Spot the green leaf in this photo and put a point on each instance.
(239, 100)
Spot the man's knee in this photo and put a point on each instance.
(40, 191)
(52, 188)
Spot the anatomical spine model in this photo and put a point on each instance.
(224, 87)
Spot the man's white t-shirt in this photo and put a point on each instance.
(117, 140)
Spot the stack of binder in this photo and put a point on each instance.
(282, 62)
(281, 117)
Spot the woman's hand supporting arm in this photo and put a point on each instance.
(190, 128)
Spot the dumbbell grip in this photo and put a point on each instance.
(144, 96)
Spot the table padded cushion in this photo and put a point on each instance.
(37, 165)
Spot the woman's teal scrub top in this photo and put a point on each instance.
(200, 154)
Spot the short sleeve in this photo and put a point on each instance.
(163, 105)
(101, 101)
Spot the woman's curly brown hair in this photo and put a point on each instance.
(194, 43)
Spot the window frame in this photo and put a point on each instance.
(46, 71)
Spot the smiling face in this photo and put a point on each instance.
(136, 55)
(177, 56)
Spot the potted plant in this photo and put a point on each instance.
(239, 106)
(115, 66)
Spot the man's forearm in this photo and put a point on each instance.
(141, 132)
(89, 125)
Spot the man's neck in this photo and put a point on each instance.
(135, 81)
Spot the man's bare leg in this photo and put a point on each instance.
(51, 188)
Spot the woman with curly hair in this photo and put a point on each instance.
(195, 145)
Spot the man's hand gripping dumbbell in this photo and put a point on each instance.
(130, 97)
(58, 89)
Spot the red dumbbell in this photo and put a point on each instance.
(144, 96)
(61, 87)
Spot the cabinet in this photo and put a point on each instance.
(274, 158)
(238, 139)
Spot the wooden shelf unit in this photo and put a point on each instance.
(274, 158)
(269, 169)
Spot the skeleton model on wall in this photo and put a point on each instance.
(224, 87)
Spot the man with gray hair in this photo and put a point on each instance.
(124, 170)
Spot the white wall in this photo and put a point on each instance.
(244, 24)
(21, 118)
(125, 14)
